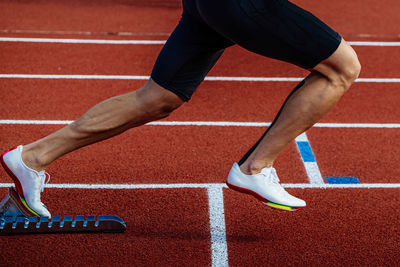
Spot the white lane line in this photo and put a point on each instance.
(254, 79)
(219, 247)
(43, 122)
(88, 33)
(205, 185)
(313, 173)
(302, 138)
(377, 80)
(173, 186)
(209, 78)
(98, 41)
(343, 186)
(308, 159)
(209, 123)
(356, 43)
(358, 125)
(216, 123)
(130, 186)
(79, 41)
(74, 77)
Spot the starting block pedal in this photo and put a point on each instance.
(12, 205)
(16, 219)
(68, 224)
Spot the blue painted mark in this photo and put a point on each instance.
(342, 180)
(305, 151)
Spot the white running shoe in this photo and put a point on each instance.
(28, 182)
(264, 186)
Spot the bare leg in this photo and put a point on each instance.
(108, 118)
(305, 106)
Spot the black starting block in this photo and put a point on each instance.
(42, 225)
(14, 219)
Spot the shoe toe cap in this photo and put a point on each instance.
(40, 209)
(295, 202)
(45, 211)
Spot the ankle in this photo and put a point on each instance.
(254, 167)
(32, 160)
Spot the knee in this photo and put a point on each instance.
(157, 102)
(350, 71)
(342, 68)
(161, 108)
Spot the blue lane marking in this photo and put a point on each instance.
(305, 151)
(342, 180)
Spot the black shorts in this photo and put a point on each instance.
(273, 28)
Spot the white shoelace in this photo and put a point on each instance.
(271, 175)
(43, 175)
(275, 177)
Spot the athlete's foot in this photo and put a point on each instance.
(264, 186)
(28, 182)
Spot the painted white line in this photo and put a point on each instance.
(344, 186)
(216, 123)
(205, 185)
(312, 169)
(378, 80)
(139, 77)
(209, 123)
(355, 43)
(358, 35)
(313, 173)
(358, 125)
(154, 123)
(79, 41)
(87, 33)
(96, 41)
(254, 79)
(302, 138)
(209, 78)
(44, 122)
(74, 77)
(130, 186)
(219, 247)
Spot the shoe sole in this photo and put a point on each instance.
(262, 199)
(21, 203)
(18, 186)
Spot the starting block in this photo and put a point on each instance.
(15, 218)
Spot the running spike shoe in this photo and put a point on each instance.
(28, 182)
(265, 186)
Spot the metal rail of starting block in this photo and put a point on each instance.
(15, 220)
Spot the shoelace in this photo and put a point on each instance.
(271, 175)
(275, 177)
(43, 175)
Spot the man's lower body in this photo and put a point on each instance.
(273, 28)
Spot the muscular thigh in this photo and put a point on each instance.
(274, 28)
(191, 51)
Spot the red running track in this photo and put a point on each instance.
(170, 227)
(213, 101)
(165, 227)
(106, 59)
(158, 154)
(365, 17)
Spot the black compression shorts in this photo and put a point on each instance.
(273, 28)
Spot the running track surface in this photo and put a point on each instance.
(196, 220)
